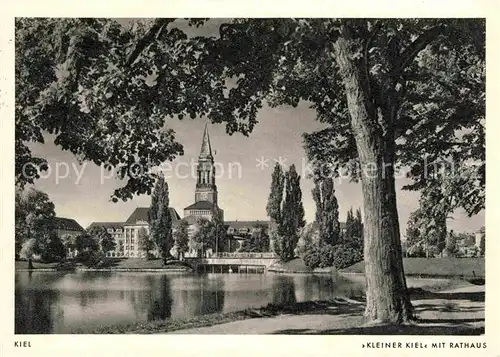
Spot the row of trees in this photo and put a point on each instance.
(389, 91)
(331, 246)
(324, 244)
(419, 245)
(258, 241)
(180, 238)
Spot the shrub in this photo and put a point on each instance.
(345, 256)
(312, 255)
(325, 255)
(319, 255)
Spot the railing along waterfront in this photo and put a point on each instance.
(267, 255)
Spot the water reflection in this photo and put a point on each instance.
(161, 307)
(50, 302)
(284, 290)
(34, 310)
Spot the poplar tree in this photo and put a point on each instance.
(327, 211)
(292, 217)
(145, 243)
(181, 239)
(160, 220)
(273, 207)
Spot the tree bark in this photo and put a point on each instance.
(387, 299)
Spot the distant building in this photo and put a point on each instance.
(480, 234)
(126, 234)
(115, 229)
(67, 228)
(239, 231)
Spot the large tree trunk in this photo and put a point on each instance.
(387, 298)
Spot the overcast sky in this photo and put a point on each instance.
(243, 184)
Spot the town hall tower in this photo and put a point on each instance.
(205, 196)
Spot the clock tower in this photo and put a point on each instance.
(206, 190)
(205, 195)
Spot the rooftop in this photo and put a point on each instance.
(141, 214)
(114, 225)
(67, 224)
(202, 205)
(245, 224)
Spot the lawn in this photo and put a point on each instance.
(435, 267)
(136, 263)
(22, 264)
(111, 263)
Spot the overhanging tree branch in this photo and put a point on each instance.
(145, 41)
(415, 47)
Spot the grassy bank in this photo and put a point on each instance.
(118, 264)
(23, 265)
(298, 266)
(354, 306)
(435, 267)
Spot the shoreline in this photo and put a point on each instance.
(329, 310)
(138, 270)
(274, 271)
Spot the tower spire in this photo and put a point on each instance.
(206, 149)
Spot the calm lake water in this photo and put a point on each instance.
(58, 302)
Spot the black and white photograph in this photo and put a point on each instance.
(262, 176)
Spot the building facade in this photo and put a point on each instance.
(126, 234)
(239, 231)
(67, 227)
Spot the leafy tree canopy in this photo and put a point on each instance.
(34, 216)
(105, 90)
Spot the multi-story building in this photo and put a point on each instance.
(67, 227)
(115, 229)
(239, 231)
(139, 220)
(126, 234)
